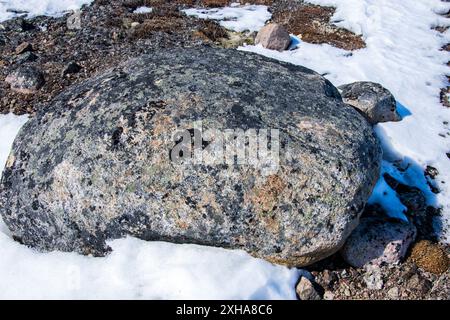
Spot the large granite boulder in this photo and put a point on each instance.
(98, 163)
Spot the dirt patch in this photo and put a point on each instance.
(110, 34)
(444, 96)
(212, 31)
(313, 24)
(430, 257)
(223, 3)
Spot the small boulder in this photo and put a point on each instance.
(25, 80)
(24, 47)
(273, 36)
(378, 240)
(307, 290)
(373, 100)
(430, 257)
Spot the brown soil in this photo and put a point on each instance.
(313, 24)
(106, 39)
(445, 92)
(405, 281)
(430, 257)
(110, 35)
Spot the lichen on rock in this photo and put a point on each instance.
(95, 163)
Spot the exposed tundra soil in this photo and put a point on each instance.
(111, 33)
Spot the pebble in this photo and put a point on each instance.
(307, 290)
(24, 47)
(393, 293)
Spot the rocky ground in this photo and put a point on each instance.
(110, 34)
(422, 274)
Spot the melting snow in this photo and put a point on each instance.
(31, 8)
(143, 10)
(235, 17)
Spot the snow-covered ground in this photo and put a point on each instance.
(31, 8)
(402, 54)
(143, 9)
(235, 17)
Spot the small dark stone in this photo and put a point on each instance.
(431, 172)
(71, 67)
(26, 57)
(412, 197)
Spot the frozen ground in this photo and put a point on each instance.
(402, 54)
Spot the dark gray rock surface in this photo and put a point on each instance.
(94, 164)
(26, 79)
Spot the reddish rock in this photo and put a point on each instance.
(378, 240)
(273, 36)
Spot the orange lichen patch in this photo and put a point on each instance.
(430, 257)
(313, 24)
(265, 197)
(182, 224)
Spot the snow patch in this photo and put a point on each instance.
(9, 127)
(143, 9)
(236, 17)
(31, 8)
(139, 269)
